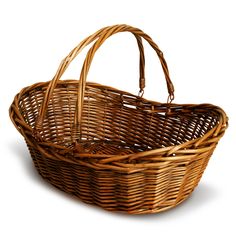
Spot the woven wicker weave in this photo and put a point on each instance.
(112, 148)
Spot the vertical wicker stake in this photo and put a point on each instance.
(111, 148)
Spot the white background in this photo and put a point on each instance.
(199, 43)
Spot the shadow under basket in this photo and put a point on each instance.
(112, 148)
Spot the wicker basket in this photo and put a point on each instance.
(112, 148)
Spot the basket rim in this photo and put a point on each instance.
(218, 129)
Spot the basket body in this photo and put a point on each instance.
(127, 153)
(146, 184)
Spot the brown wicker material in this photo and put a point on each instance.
(112, 148)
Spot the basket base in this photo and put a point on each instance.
(105, 147)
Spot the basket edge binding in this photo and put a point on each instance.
(20, 124)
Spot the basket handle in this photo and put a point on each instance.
(101, 36)
(88, 60)
(71, 56)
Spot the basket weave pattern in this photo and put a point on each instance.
(112, 148)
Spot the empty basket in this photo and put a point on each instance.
(112, 148)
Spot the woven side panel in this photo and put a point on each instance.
(146, 191)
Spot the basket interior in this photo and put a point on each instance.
(114, 121)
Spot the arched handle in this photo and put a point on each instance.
(71, 56)
(109, 32)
